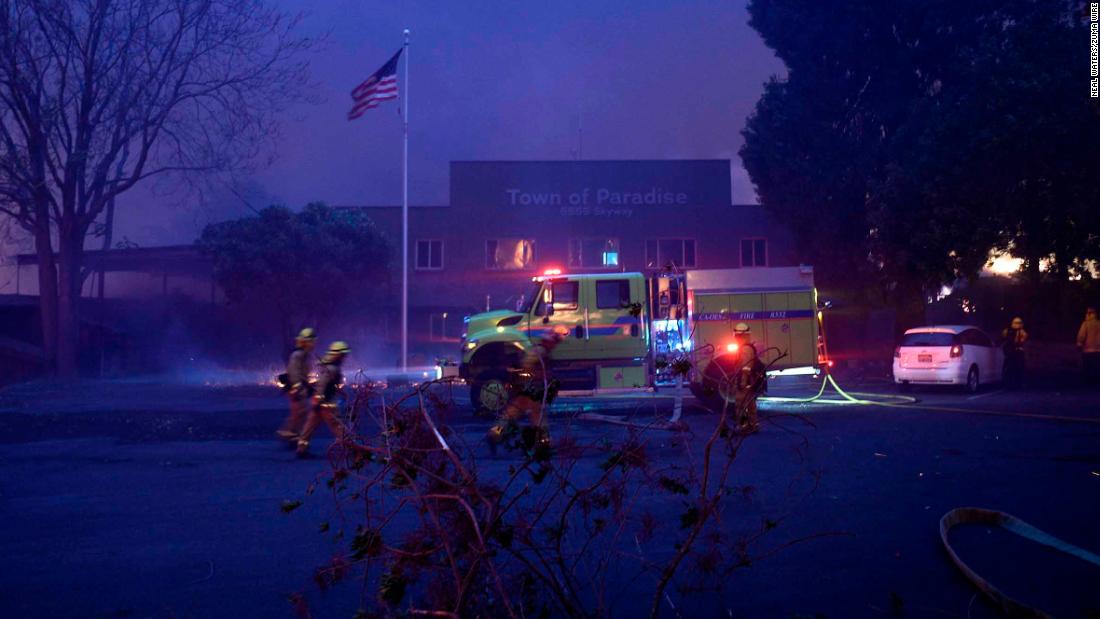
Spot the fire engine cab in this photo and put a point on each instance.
(627, 331)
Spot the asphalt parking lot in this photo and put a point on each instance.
(153, 500)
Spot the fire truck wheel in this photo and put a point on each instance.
(490, 392)
(718, 382)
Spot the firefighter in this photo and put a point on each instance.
(1015, 338)
(297, 386)
(330, 379)
(749, 380)
(533, 386)
(1088, 340)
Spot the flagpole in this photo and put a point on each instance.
(405, 219)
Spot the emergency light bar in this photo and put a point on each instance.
(547, 274)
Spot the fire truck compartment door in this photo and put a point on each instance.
(711, 321)
(802, 328)
(614, 332)
(776, 336)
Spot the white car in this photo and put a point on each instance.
(947, 355)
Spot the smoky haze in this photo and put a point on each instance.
(494, 81)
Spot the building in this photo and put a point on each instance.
(510, 220)
(130, 273)
(506, 222)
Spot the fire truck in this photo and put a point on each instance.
(627, 331)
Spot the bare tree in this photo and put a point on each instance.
(98, 95)
(591, 525)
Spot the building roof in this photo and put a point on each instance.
(167, 258)
(585, 162)
(382, 206)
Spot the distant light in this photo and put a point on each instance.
(1003, 264)
(552, 272)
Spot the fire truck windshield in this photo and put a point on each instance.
(527, 301)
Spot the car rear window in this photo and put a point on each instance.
(928, 339)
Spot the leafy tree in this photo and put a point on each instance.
(97, 96)
(304, 266)
(904, 145)
(996, 154)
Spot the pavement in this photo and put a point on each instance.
(145, 499)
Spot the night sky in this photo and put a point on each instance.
(499, 80)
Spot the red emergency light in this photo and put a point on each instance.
(549, 272)
(731, 347)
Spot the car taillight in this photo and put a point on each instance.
(956, 351)
(897, 352)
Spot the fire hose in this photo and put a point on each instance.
(976, 515)
(846, 397)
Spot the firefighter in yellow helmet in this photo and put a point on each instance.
(330, 380)
(533, 387)
(297, 385)
(749, 380)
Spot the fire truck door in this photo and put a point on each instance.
(615, 330)
(566, 297)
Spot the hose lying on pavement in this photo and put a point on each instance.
(845, 396)
(907, 402)
(674, 423)
(976, 515)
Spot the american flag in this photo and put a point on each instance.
(377, 88)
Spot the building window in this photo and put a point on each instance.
(437, 327)
(613, 294)
(429, 255)
(594, 253)
(509, 254)
(660, 253)
(754, 252)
